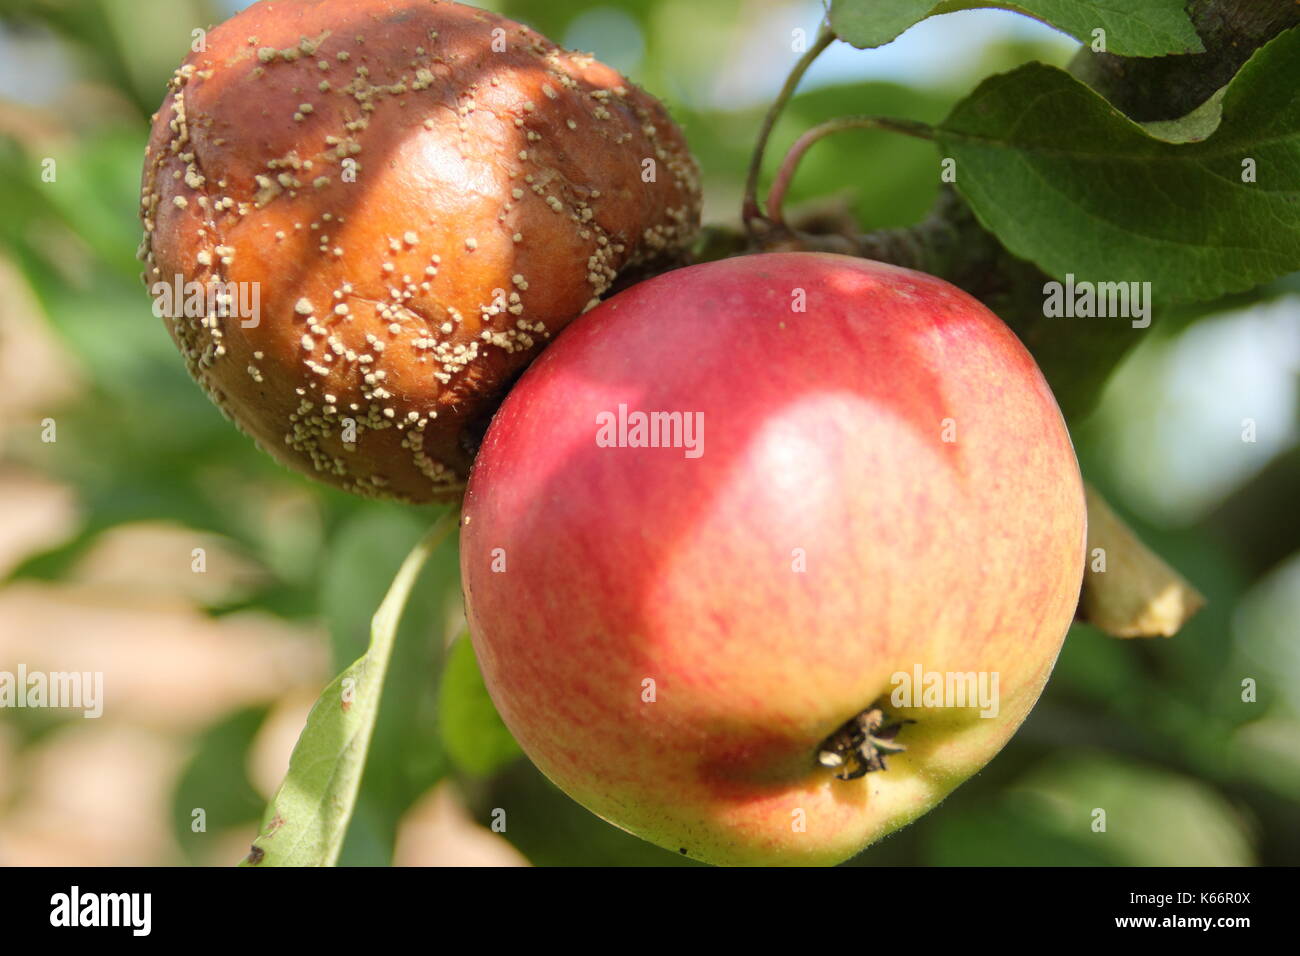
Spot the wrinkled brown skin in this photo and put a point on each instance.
(458, 149)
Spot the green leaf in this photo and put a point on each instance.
(472, 731)
(1197, 125)
(216, 782)
(1007, 831)
(1071, 184)
(1132, 28)
(1153, 817)
(307, 819)
(406, 753)
(1087, 808)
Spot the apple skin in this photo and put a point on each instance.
(823, 431)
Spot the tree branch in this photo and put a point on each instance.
(950, 242)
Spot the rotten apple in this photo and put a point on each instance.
(392, 206)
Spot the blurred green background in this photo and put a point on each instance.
(209, 676)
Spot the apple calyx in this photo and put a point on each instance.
(859, 746)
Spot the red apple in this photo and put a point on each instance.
(869, 477)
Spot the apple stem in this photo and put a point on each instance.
(784, 175)
(751, 214)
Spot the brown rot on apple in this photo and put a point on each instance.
(388, 208)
